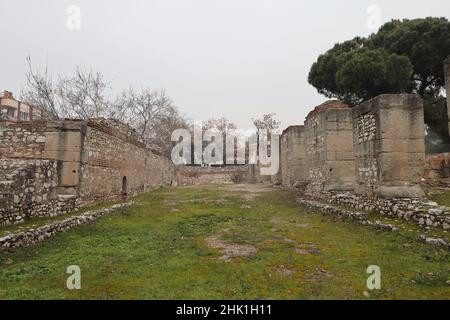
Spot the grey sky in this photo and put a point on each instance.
(232, 58)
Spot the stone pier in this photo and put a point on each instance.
(293, 156)
(389, 146)
(329, 149)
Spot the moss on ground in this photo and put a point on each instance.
(156, 249)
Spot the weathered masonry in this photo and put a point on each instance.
(196, 175)
(329, 150)
(389, 146)
(375, 150)
(293, 156)
(50, 167)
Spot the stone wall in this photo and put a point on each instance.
(24, 140)
(36, 235)
(27, 189)
(293, 156)
(196, 175)
(418, 210)
(389, 146)
(114, 162)
(51, 167)
(329, 151)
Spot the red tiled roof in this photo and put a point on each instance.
(294, 126)
(330, 104)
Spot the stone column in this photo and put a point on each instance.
(447, 85)
(389, 146)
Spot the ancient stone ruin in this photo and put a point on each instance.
(51, 167)
(293, 155)
(375, 149)
(329, 151)
(371, 157)
(389, 146)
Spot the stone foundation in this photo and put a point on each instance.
(417, 210)
(33, 236)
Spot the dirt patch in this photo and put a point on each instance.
(294, 223)
(283, 271)
(251, 188)
(278, 221)
(306, 251)
(230, 250)
(249, 197)
(207, 200)
(307, 248)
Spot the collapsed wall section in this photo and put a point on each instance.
(389, 146)
(329, 151)
(293, 156)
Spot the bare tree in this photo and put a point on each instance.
(80, 96)
(267, 123)
(265, 127)
(151, 113)
(83, 95)
(40, 91)
(222, 126)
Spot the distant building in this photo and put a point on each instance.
(12, 110)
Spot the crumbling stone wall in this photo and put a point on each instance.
(329, 151)
(51, 167)
(293, 156)
(389, 146)
(196, 175)
(115, 161)
(24, 140)
(27, 189)
(424, 213)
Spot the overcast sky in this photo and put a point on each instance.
(232, 58)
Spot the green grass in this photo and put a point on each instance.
(442, 198)
(156, 249)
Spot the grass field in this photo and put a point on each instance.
(228, 242)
